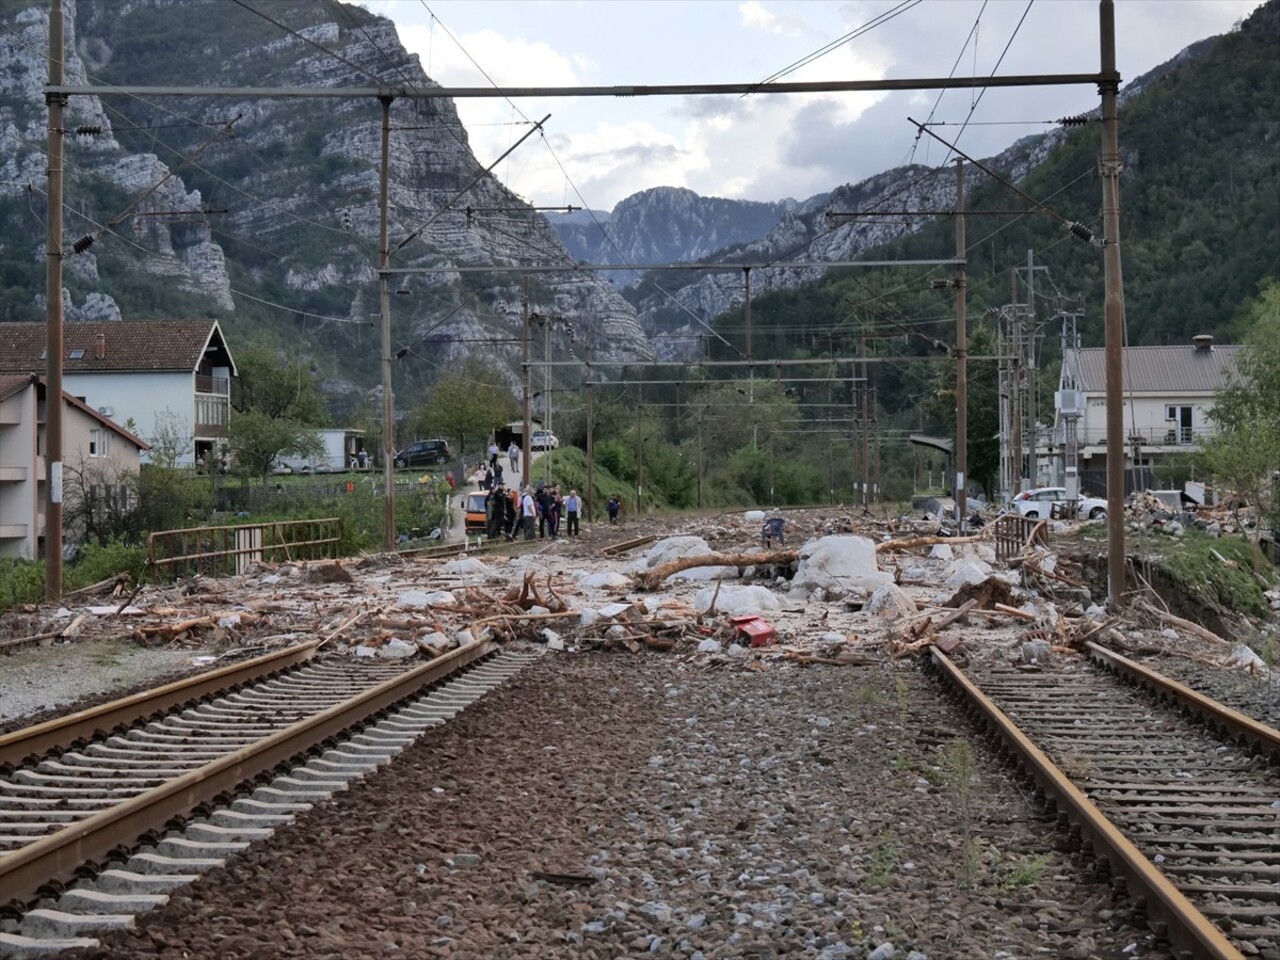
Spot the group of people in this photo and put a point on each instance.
(513, 513)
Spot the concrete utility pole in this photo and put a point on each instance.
(384, 303)
(53, 318)
(526, 440)
(962, 371)
(1109, 169)
(1015, 396)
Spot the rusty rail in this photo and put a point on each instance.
(1187, 927)
(1264, 739)
(21, 745)
(57, 857)
(230, 549)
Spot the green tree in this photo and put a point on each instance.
(1245, 454)
(465, 406)
(275, 408)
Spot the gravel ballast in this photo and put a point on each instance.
(614, 805)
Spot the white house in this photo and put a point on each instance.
(96, 451)
(1168, 393)
(156, 376)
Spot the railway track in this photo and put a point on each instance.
(135, 793)
(1172, 794)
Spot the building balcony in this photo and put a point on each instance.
(13, 474)
(13, 531)
(216, 386)
(213, 413)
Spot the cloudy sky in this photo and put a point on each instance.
(599, 150)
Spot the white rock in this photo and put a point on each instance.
(706, 573)
(65, 614)
(417, 599)
(966, 572)
(710, 646)
(554, 642)
(673, 548)
(611, 610)
(588, 616)
(396, 649)
(754, 516)
(1244, 656)
(538, 609)
(468, 566)
(1169, 634)
(941, 551)
(271, 578)
(604, 580)
(985, 551)
(363, 651)
(1095, 612)
(885, 951)
(890, 602)
(736, 601)
(436, 642)
(465, 638)
(833, 638)
(617, 632)
(842, 561)
(736, 650)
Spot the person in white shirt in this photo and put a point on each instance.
(572, 506)
(528, 511)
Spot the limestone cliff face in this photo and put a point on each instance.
(264, 210)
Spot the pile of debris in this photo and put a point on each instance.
(1156, 513)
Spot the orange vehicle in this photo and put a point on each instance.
(475, 519)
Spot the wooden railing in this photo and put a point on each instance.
(218, 551)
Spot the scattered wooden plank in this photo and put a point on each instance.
(625, 545)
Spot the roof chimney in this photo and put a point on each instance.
(1203, 342)
(100, 349)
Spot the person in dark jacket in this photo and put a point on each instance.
(543, 499)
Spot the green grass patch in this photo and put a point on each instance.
(1229, 574)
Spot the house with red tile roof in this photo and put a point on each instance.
(156, 377)
(100, 457)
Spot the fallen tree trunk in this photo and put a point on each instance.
(907, 543)
(1192, 628)
(651, 578)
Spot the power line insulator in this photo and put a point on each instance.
(347, 223)
(1079, 120)
(89, 129)
(83, 244)
(1080, 231)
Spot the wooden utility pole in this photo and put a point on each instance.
(1109, 168)
(526, 440)
(384, 301)
(639, 450)
(590, 492)
(53, 317)
(1015, 394)
(962, 372)
(865, 420)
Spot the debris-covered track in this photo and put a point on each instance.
(1179, 800)
(83, 803)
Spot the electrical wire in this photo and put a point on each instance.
(853, 34)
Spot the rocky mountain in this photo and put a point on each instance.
(666, 224)
(262, 211)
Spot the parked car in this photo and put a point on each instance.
(543, 440)
(421, 453)
(1038, 503)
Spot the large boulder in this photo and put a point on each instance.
(672, 548)
(890, 601)
(840, 562)
(737, 601)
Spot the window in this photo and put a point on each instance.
(99, 441)
(76, 354)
